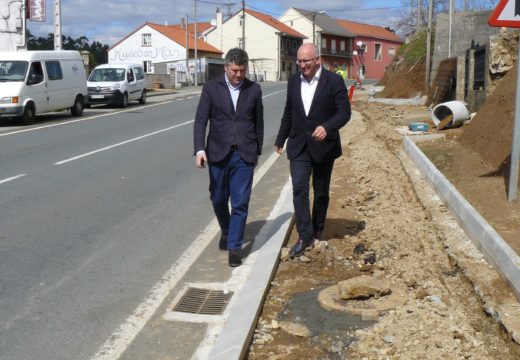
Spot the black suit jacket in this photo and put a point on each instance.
(247, 123)
(330, 108)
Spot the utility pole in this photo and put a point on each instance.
(22, 45)
(57, 25)
(429, 43)
(195, 46)
(419, 14)
(243, 25)
(187, 52)
(452, 8)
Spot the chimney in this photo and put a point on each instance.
(183, 23)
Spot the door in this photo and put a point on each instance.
(36, 87)
(57, 93)
(133, 91)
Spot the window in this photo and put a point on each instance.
(13, 70)
(333, 46)
(148, 67)
(139, 74)
(323, 43)
(147, 39)
(378, 54)
(391, 51)
(35, 73)
(342, 47)
(130, 75)
(54, 70)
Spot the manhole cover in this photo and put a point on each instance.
(203, 301)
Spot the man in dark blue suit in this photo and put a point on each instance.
(233, 106)
(316, 108)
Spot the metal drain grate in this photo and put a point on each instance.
(203, 301)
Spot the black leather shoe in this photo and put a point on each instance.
(234, 258)
(299, 248)
(318, 234)
(222, 243)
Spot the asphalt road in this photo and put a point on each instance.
(93, 211)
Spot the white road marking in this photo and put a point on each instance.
(82, 119)
(121, 143)
(118, 342)
(12, 178)
(276, 92)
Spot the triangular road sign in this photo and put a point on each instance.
(507, 14)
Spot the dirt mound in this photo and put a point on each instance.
(403, 79)
(491, 130)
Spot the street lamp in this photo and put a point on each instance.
(360, 48)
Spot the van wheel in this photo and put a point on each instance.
(29, 115)
(124, 101)
(142, 100)
(77, 108)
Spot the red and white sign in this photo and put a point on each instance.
(36, 10)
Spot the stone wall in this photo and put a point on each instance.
(469, 29)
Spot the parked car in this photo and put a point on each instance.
(116, 84)
(36, 82)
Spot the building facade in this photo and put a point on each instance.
(12, 25)
(168, 51)
(334, 42)
(373, 49)
(270, 44)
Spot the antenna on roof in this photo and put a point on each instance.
(228, 6)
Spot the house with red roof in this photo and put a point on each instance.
(333, 41)
(374, 48)
(270, 44)
(362, 50)
(162, 51)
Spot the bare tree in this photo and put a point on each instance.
(415, 14)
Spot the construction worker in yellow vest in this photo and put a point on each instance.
(341, 72)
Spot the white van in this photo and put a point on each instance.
(36, 82)
(116, 84)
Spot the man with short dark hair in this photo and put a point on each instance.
(233, 106)
(316, 108)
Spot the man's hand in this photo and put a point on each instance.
(279, 150)
(319, 133)
(200, 160)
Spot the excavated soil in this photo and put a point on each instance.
(378, 226)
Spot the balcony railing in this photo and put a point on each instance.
(334, 52)
(288, 52)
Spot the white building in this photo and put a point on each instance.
(12, 19)
(270, 44)
(164, 50)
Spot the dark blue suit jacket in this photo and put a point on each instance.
(247, 123)
(330, 108)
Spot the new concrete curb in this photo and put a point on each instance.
(235, 336)
(486, 239)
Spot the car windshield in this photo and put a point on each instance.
(13, 70)
(99, 75)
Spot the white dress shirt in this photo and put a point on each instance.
(234, 91)
(308, 89)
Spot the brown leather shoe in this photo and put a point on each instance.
(234, 258)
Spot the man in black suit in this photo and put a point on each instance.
(233, 106)
(316, 108)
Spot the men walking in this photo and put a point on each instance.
(233, 106)
(316, 108)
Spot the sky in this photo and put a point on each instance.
(109, 21)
